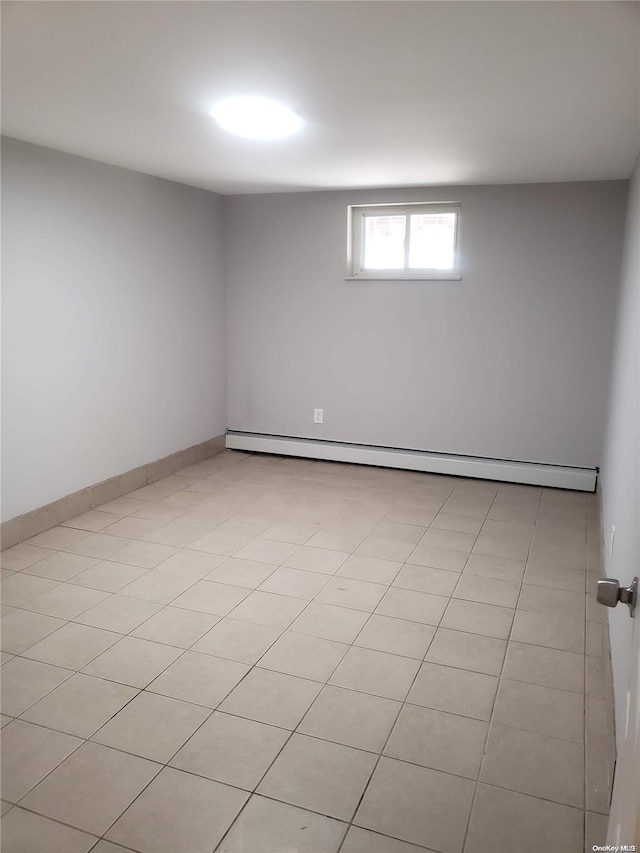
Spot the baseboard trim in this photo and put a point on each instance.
(529, 473)
(25, 526)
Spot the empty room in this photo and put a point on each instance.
(320, 426)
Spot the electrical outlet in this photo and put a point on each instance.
(613, 538)
(318, 416)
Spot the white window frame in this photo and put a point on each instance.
(355, 242)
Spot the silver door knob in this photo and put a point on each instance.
(610, 593)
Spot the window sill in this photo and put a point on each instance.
(391, 277)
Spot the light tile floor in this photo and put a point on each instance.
(260, 655)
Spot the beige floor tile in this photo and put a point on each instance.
(546, 554)
(133, 661)
(411, 515)
(437, 557)
(245, 573)
(543, 629)
(265, 608)
(22, 555)
(315, 559)
(330, 622)
(72, 646)
(99, 545)
(417, 805)
(218, 599)
(467, 651)
(28, 754)
(350, 718)
(152, 726)
(294, 582)
(594, 639)
(119, 613)
(92, 787)
(411, 605)
(335, 540)
(296, 534)
(487, 590)
(461, 523)
(25, 682)
(367, 568)
(180, 532)
(556, 602)
(125, 505)
(93, 521)
(409, 533)
(108, 847)
(57, 537)
(215, 542)
(80, 705)
(522, 533)
(272, 697)
(161, 585)
(354, 594)
(457, 691)
(231, 749)
(438, 740)
(557, 713)
(476, 618)
(504, 820)
(19, 589)
(426, 579)
(513, 513)
(60, 566)
(496, 546)
(572, 580)
(66, 601)
(176, 627)
(304, 656)
(544, 666)
(200, 679)
(192, 564)
(596, 826)
(22, 628)
(298, 776)
(383, 548)
(363, 841)
(534, 764)
(147, 555)
(178, 812)
(381, 674)
(470, 507)
(239, 641)
(107, 576)
(272, 827)
(24, 831)
(498, 568)
(453, 539)
(132, 528)
(396, 636)
(266, 551)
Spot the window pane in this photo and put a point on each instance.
(432, 241)
(384, 242)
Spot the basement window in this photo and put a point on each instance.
(403, 241)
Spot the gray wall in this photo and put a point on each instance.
(621, 467)
(511, 362)
(113, 322)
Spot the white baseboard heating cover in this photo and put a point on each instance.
(528, 473)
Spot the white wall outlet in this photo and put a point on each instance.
(612, 539)
(318, 416)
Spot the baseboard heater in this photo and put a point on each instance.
(529, 473)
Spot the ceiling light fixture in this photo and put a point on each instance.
(256, 118)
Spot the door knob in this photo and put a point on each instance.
(610, 593)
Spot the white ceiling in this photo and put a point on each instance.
(393, 93)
